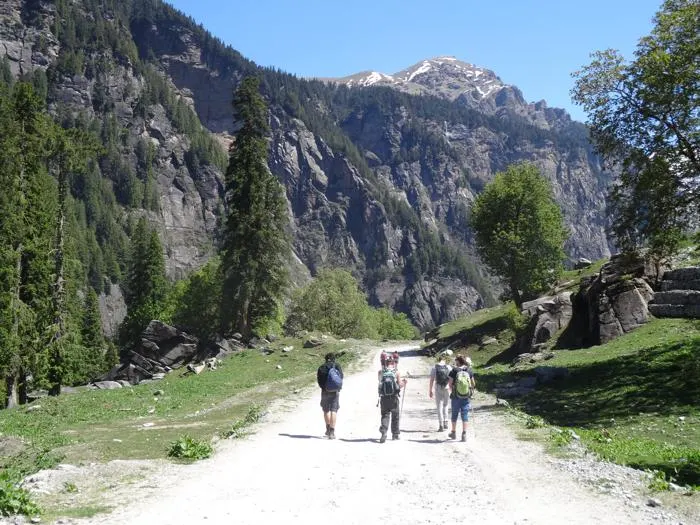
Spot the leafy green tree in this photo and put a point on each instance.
(519, 231)
(645, 121)
(255, 243)
(332, 303)
(193, 304)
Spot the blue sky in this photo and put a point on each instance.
(533, 44)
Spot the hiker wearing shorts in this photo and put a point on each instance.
(327, 378)
(440, 389)
(390, 384)
(461, 385)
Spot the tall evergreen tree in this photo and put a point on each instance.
(255, 242)
(92, 338)
(145, 285)
(27, 209)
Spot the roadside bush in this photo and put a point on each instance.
(390, 325)
(13, 498)
(334, 303)
(187, 447)
(331, 303)
(515, 320)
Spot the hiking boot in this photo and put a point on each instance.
(383, 438)
(440, 428)
(328, 431)
(331, 434)
(464, 436)
(452, 435)
(395, 437)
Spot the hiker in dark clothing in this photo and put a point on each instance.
(390, 384)
(330, 379)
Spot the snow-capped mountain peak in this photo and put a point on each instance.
(443, 76)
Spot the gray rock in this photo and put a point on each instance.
(546, 374)
(582, 263)
(653, 502)
(107, 385)
(312, 343)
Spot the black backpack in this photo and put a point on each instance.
(441, 375)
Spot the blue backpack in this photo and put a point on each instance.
(334, 381)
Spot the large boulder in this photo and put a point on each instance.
(613, 302)
(548, 315)
(167, 345)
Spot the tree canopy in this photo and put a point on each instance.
(644, 117)
(519, 231)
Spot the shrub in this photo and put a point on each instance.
(334, 303)
(13, 498)
(237, 429)
(187, 447)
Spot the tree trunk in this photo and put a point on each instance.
(59, 300)
(22, 387)
(243, 322)
(11, 400)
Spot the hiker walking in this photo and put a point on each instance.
(440, 389)
(330, 378)
(462, 385)
(390, 384)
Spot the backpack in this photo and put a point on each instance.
(441, 375)
(463, 384)
(388, 385)
(334, 381)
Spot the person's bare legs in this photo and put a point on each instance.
(329, 418)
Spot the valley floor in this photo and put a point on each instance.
(287, 473)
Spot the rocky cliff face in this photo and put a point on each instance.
(340, 212)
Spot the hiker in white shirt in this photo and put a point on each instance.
(440, 389)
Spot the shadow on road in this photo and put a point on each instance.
(300, 436)
(360, 440)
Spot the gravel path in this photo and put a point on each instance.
(287, 473)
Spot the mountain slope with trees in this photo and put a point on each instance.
(377, 181)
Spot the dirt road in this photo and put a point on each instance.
(287, 473)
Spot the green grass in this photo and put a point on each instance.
(135, 423)
(633, 401)
(464, 336)
(577, 275)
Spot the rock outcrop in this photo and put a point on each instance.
(164, 348)
(547, 316)
(611, 303)
(679, 295)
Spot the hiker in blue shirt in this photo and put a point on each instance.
(330, 379)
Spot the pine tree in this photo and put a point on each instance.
(27, 208)
(92, 338)
(255, 243)
(145, 286)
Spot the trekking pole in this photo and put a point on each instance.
(403, 398)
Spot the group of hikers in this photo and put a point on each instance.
(450, 385)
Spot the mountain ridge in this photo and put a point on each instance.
(378, 180)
